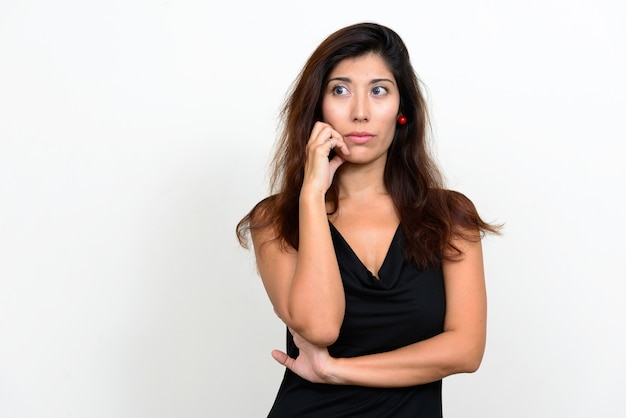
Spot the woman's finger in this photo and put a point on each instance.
(337, 142)
(280, 357)
(325, 134)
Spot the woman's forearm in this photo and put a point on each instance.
(316, 300)
(423, 362)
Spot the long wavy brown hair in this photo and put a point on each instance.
(430, 216)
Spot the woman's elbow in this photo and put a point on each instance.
(472, 365)
(471, 360)
(321, 335)
(323, 339)
(320, 330)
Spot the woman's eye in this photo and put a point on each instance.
(378, 90)
(339, 90)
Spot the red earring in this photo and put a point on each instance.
(401, 120)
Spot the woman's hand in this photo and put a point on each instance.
(318, 170)
(313, 362)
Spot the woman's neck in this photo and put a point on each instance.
(356, 181)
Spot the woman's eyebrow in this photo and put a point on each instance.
(380, 80)
(344, 79)
(374, 81)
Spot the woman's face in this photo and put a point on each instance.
(361, 101)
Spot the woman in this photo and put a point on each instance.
(373, 266)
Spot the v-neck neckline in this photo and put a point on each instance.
(356, 257)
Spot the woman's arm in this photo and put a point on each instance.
(304, 286)
(458, 349)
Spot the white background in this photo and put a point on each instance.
(135, 134)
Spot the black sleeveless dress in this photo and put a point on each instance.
(403, 306)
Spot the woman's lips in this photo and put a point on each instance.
(359, 138)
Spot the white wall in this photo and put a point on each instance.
(134, 134)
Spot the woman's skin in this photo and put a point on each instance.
(360, 108)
